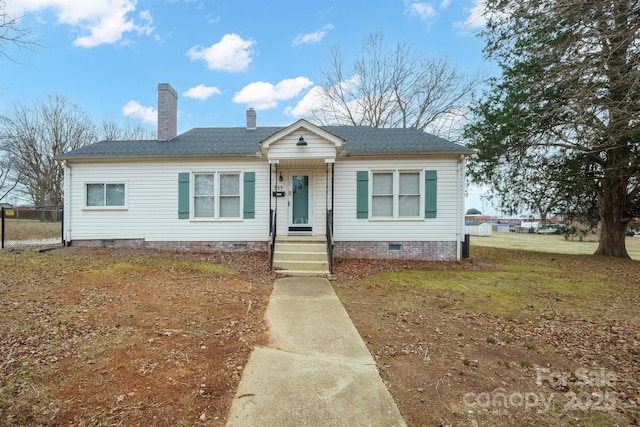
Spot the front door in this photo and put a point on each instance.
(300, 204)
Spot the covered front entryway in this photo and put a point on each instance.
(301, 162)
(300, 203)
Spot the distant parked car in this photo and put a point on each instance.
(547, 230)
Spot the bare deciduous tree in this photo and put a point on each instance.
(111, 130)
(33, 135)
(8, 181)
(11, 33)
(393, 87)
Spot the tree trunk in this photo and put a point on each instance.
(613, 219)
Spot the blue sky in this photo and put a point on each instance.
(108, 56)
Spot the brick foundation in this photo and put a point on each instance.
(175, 246)
(428, 251)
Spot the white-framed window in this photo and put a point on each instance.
(396, 194)
(106, 195)
(216, 195)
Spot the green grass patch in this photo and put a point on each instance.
(519, 281)
(550, 243)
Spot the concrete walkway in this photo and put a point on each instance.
(316, 370)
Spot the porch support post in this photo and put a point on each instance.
(332, 182)
(332, 163)
(326, 188)
(272, 162)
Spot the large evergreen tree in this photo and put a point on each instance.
(569, 93)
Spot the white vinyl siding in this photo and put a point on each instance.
(152, 202)
(445, 227)
(316, 148)
(151, 196)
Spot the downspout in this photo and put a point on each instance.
(460, 208)
(66, 208)
(270, 196)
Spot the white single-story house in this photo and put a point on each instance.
(362, 192)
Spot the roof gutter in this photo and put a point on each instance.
(463, 154)
(156, 157)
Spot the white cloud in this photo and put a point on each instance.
(476, 18)
(202, 92)
(136, 110)
(445, 4)
(314, 37)
(315, 101)
(98, 21)
(449, 122)
(264, 95)
(231, 53)
(311, 101)
(422, 10)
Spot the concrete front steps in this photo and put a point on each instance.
(301, 256)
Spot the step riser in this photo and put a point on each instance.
(296, 247)
(299, 273)
(299, 256)
(303, 266)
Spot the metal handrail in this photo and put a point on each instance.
(330, 238)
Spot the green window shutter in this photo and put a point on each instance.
(183, 195)
(430, 193)
(362, 194)
(249, 195)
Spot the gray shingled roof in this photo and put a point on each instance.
(240, 141)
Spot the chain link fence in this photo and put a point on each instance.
(37, 227)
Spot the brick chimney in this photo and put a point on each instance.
(251, 119)
(167, 112)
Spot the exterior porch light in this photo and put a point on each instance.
(301, 142)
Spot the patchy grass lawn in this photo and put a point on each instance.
(102, 337)
(552, 243)
(28, 229)
(505, 338)
(99, 337)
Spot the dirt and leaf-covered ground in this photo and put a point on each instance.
(129, 337)
(105, 337)
(506, 338)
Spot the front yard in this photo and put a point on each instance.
(127, 337)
